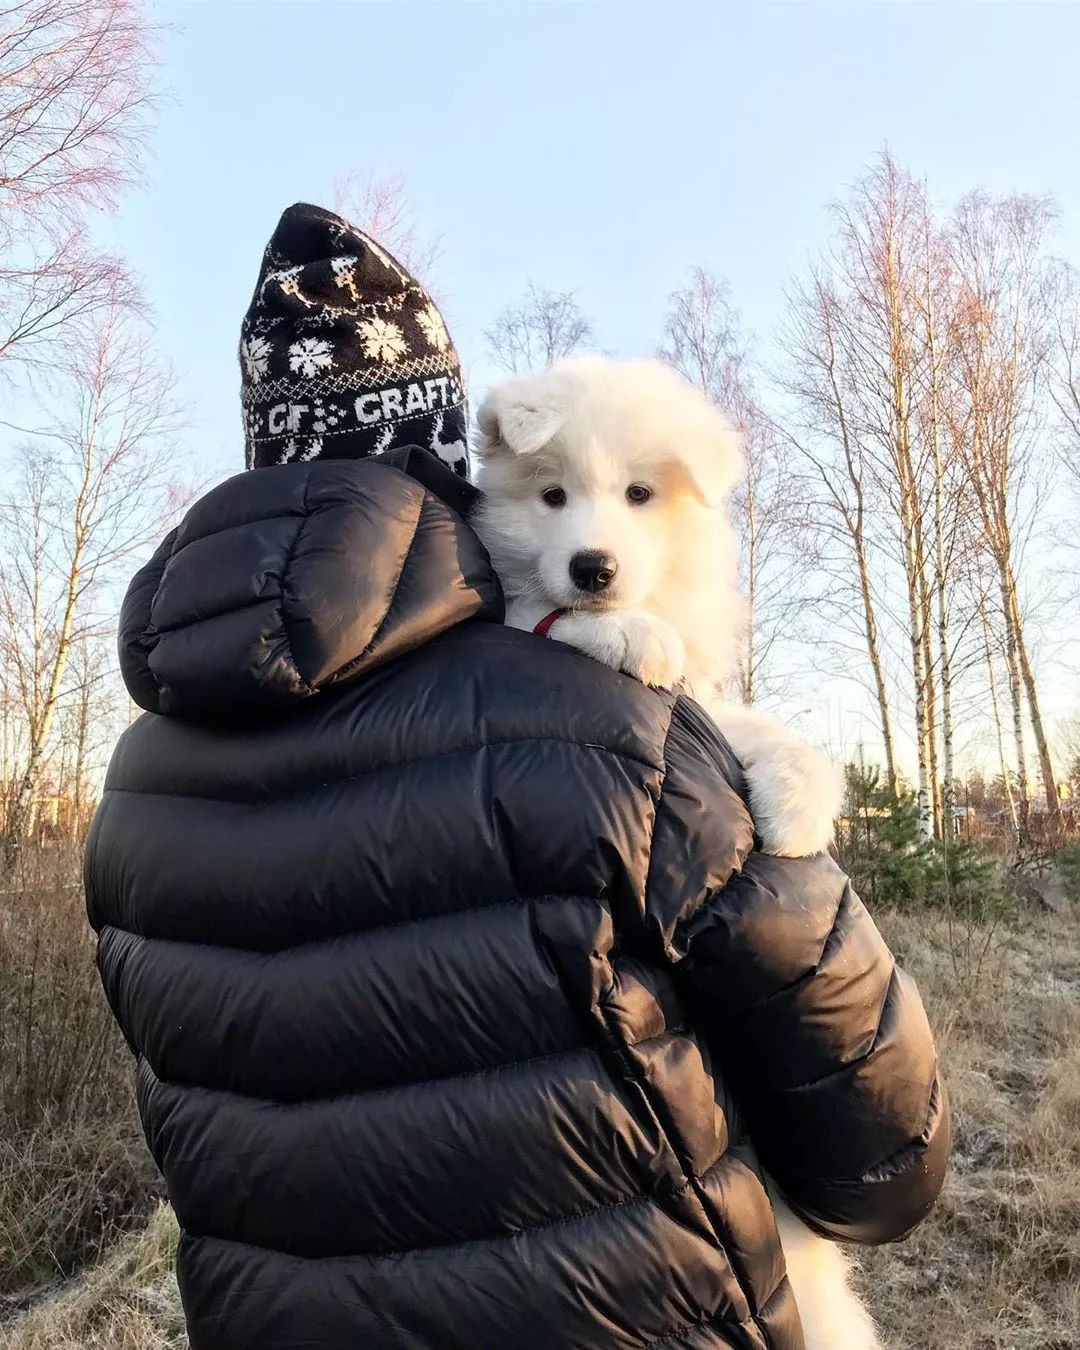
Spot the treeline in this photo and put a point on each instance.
(907, 452)
(909, 442)
(87, 421)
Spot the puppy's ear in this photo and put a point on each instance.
(712, 460)
(520, 416)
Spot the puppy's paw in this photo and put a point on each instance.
(795, 796)
(647, 648)
(655, 653)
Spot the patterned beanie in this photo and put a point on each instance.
(343, 354)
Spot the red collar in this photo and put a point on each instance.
(541, 629)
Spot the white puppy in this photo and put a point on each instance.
(605, 513)
(605, 498)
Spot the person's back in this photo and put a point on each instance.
(432, 974)
(447, 954)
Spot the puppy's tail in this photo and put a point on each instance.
(833, 1318)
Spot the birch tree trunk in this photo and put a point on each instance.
(909, 511)
(1046, 766)
(1003, 329)
(924, 791)
(995, 706)
(1016, 706)
(941, 577)
(85, 508)
(819, 347)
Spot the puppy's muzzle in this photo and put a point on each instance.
(593, 571)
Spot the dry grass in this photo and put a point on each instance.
(74, 1173)
(61, 1055)
(127, 1302)
(997, 1265)
(67, 1191)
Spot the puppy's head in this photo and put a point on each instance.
(598, 477)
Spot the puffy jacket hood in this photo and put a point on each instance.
(286, 581)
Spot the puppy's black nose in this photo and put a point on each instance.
(592, 571)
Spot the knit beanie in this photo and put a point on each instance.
(343, 354)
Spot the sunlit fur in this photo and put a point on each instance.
(832, 1317)
(594, 428)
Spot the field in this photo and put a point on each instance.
(88, 1245)
(997, 1265)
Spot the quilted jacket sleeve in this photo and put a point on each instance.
(824, 1037)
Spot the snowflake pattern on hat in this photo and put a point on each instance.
(434, 326)
(308, 356)
(343, 353)
(255, 353)
(382, 341)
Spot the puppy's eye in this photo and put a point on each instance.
(554, 496)
(637, 494)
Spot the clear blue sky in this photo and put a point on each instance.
(605, 147)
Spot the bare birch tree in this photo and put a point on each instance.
(1002, 336)
(75, 103)
(702, 339)
(999, 733)
(872, 275)
(879, 248)
(703, 343)
(770, 521)
(541, 329)
(87, 721)
(380, 206)
(945, 496)
(1065, 382)
(817, 379)
(91, 488)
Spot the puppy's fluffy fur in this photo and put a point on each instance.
(594, 429)
(564, 459)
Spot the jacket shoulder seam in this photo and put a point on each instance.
(511, 1235)
(325, 784)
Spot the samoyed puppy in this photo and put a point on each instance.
(605, 491)
(605, 510)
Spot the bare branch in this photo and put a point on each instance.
(702, 341)
(380, 207)
(542, 329)
(75, 105)
(85, 498)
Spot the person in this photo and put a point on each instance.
(467, 1013)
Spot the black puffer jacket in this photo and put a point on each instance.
(443, 950)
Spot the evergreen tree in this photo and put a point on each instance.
(880, 848)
